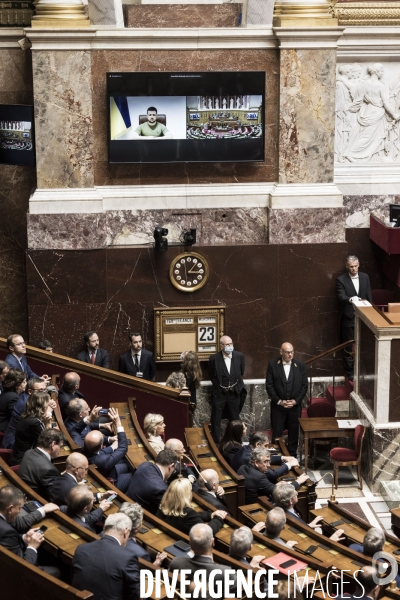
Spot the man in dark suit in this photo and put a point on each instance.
(368, 578)
(215, 495)
(16, 357)
(81, 420)
(259, 439)
(256, 480)
(68, 391)
(226, 370)
(135, 513)
(15, 530)
(79, 507)
(93, 354)
(286, 384)
(137, 361)
(105, 567)
(110, 461)
(36, 468)
(350, 287)
(202, 542)
(150, 480)
(241, 544)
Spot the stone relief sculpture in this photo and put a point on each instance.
(231, 103)
(209, 103)
(367, 115)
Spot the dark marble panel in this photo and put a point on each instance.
(394, 393)
(182, 15)
(66, 277)
(186, 60)
(367, 375)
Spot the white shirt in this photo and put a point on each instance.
(356, 283)
(139, 354)
(228, 361)
(286, 368)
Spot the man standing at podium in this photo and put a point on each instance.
(286, 384)
(351, 286)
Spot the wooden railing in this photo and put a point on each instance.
(330, 352)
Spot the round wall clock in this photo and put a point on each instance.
(189, 272)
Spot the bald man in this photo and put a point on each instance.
(181, 469)
(68, 391)
(286, 384)
(215, 495)
(226, 370)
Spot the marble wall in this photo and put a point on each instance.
(182, 15)
(306, 225)
(359, 208)
(16, 185)
(272, 293)
(186, 60)
(307, 109)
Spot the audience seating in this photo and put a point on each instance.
(344, 457)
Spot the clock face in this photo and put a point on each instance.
(188, 272)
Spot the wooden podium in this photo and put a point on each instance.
(377, 390)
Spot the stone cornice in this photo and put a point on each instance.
(9, 37)
(97, 38)
(308, 37)
(369, 42)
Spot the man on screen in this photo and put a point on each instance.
(152, 129)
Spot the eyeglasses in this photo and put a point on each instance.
(86, 469)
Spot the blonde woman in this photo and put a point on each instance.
(36, 417)
(175, 509)
(154, 427)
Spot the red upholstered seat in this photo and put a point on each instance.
(342, 454)
(321, 409)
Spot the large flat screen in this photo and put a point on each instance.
(16, 135)
(186, 117)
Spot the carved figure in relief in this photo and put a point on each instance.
(343, 101)
(209, 103)
(231, 103)
(375, 118)
(217, 103)
(204, 102)
(238, 102)
(224, 103)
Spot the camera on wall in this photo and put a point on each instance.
(161, 242)
(188, 237)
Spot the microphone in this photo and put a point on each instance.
(332, 498)
(207, 485)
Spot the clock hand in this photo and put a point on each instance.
(191, 270)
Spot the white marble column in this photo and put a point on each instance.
(382, 383)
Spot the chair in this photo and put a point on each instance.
(5, 454)
(343, 457)
(381, 298)
(159, 118)
(321, 410)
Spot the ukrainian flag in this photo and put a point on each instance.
(120, 119)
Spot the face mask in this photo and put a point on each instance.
(228, 349)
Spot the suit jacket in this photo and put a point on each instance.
(78, 430)
(26, 434)
(147, 486)
(346, 290)
(218, 503)
(107, 458)
(16, 364)
(60, 488)
(137, 550)
(19, 407)
(204, 563)
(275, 382)
(7, 402)
(191, 518)
(147, 364)
(38, 472)
(242, 457)
(90, 519)
(64, 399)
(102, 358)
(11, 538)
(215, 371)
(106, 569)
(257, 483)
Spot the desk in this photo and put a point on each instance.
(318, 429)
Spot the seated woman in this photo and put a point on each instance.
(192, 371)
(154, 427)
(232, 439)
(33, 421)
(175, 509)
(14, 384)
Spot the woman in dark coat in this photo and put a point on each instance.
(14, 384)
(192, 371)
(33, 421)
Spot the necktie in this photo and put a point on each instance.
(136, 361)
(93, 358)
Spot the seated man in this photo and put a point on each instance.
(34, 385)
(215, 495)
(36, 468)
(151, 129)
(93, 354)
(259, 439)
(105, 567)
(241, 544)
(368, 589)
(110, 461)
(256, 480)
(274, 524)
(373, 542)
(285, 497)
(180, 469)
(68, 391)
(81, 421)
(16, 356)
(201, 541)
(150, 480)
(80, 507)
(135, 513)
(15, 531)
